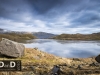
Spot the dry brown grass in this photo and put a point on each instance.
(34, 56)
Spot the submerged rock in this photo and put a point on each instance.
(11, 48)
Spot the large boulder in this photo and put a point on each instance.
(98, 58)
(11, 48)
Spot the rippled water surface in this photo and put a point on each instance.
(65, 48)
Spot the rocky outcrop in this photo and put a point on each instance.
(98, 58)
(11, 48)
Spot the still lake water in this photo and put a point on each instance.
(66, 48)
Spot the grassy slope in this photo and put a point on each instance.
(95, 36)
(17, 37)
(35, 56)
(39, 58)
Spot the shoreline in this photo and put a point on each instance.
(43, 63)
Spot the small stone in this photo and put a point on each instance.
(32, 67)
(79, 67)
(36, 48)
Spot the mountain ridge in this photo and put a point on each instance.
(43, 35)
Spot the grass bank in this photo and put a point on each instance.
(17, 37)
(36, 62)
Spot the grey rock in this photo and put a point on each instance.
(71, 67)
(98, 58)
(11, 48)
(94, 64)
(32, 68)
(79, 67)
(36, 48)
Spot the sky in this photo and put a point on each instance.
(52, 16)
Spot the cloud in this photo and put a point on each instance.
(11, 24)
(87, 17)
(54, 16)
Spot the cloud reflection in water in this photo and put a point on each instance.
(67, 49)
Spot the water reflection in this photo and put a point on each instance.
(39, 41)
(66, 48)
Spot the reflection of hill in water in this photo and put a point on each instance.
(41, 41)
(75, 41)
(66, 48)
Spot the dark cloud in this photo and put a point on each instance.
(42, 6)
(87, 18)
(51, 15)
(12, 9)
(47, 6)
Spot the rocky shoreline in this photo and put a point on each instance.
(36, 62)
(68, 66)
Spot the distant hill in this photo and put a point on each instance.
(39, 35)
(16, 36)
(94, 36)
(4, 31)
(43, 35)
